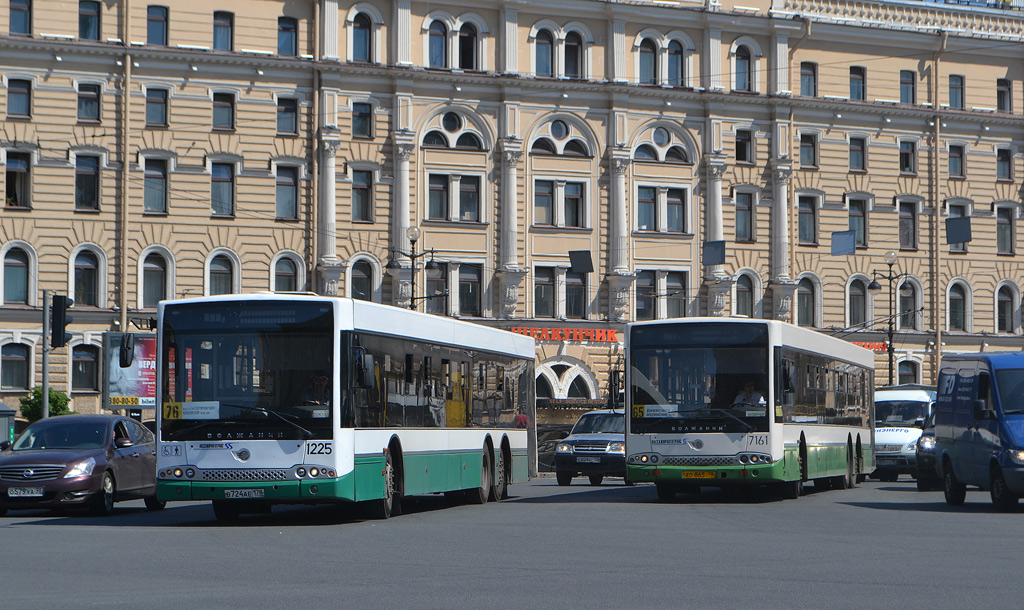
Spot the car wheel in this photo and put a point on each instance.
(153, 504)
(104, 503)
(955, 491)
(595, 479)
(563, 477)
(1003, 499)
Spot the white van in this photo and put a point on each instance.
(900, 411)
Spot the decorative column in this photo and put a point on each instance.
(718, 284)
(400, 217)
(510, 274)
(620, 278)
(329, 267)
(329, 24)
(783, 287)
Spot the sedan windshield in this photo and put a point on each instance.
(595, 423)
(63, 435)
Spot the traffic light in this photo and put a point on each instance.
(59, 319)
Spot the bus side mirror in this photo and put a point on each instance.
(126, 355)
(980, 410)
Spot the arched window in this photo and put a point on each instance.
(575, 148)
(86, 279)
(544, 387)
(362, 281)
(154, 280)
(908, 372)
(648, 62)
(1004, 311)
(435, 139)
(362, 37)
(744, 77)
(221, 275)
(467, 47)
(286, 275)
(543, 146)
(677, 154)
(858, 303)
(573, 55)
(745, 296)
(16, 276)
(908, 306)
(805, 303)
(438, 48)
(675, 63)
(957, 307)
(545, 53)
(645, 153)
(14, 367)
(469, 141)
(579, 388)
(85, 374)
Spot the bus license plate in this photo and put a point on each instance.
(25, 492)
(243, 493)
(699, 474)
(588, 460)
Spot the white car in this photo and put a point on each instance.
(900, 413)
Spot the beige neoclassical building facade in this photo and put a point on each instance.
(815, 162)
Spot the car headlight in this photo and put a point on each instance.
(910, 447)
(1017, 457)
(926, 443)
(617, 448)
(564, 448)
(81, 469)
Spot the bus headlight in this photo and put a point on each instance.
(617, 448)
(314, 472)
(564, 448)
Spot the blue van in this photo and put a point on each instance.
(979, 426)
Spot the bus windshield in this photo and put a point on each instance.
(900, 413)
(247, 371)
(700, 378)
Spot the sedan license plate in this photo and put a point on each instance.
(588, 460)
(885, 461)
(25, 492)
(243, 493)
(699, 474)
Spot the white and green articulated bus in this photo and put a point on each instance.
(728, 402)
(289, 399)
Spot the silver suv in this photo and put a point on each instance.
(596, 447)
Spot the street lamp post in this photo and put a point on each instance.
(413, 234)
(874, 287)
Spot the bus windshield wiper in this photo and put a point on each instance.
(730, 415)
(179, 433)
(305, 433)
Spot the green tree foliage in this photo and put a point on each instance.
(32, 405)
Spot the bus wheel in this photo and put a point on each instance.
(226, 511)
(791, 490)
(955, 491)
(1003, 499)
(850, 481)
(387, 506)
(665, 491)
(480, 494)
(500, 490)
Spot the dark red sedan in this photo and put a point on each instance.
(79, 461)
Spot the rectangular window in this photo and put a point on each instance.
(646, 204)
(858, 83)
(85, 368)
(156, 107)
(744, 217)
(645, 295)
(362, 196)
(908, 87)
(223, 111)
(223, 30)
(956, 91)
(807, 222)
(222, 189)
(574, 204)
(19, 98)
(808, 151)
(1004, 95)
(543, 202)
(437, 290)
(89, 103)
(675, 294)
(469, 199)
(859, 221)
(155, 195)
(956, 161)
(1004, 164)
(575, 295)
(544, 292)
(808, 79)
(675, 216)
(1004, 231)
(156, 25)
(87, 182)
(21, 17)
(908, 225)
(89, 20)
(858, 154)
(908, 157)
(438, 204)
(957, 211)
(470, 298)
(287, 116)
(287, 196)
(744, 146)
(19, 174)
(287, 36)
(362, 120)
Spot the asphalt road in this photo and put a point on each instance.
(882, 545)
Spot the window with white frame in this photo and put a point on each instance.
(361, 286)
(154, 280)
(87, 182)
(221, 278)
(1006, 238)
(661, 209)
(907, 224)
(908, 316)
(744, 201)
(744, 303)
(957, 210)
(14, 366)
(857, 302)
(560, 203)
(362, 38)
(455, 197)
(287, 192)
(85, 368)
(807, 221)
(743, 69)
(18, 189)
(286, 275)
(222, 189)
(858, 220)
(805, 303)
(544, 292)
(958, 306)
(17, 276)
(1006, 310)
(87, 279)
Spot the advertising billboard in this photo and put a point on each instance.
(134, 387)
